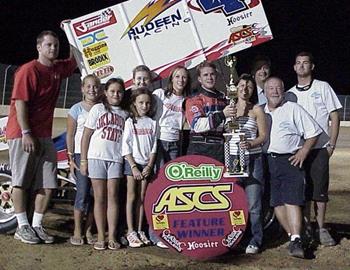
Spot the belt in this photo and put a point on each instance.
(275, 155)
(206, 139)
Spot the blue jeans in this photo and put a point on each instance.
(166, 151)
(254, 188)
(83, 196)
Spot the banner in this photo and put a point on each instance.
(163, 34)
(194, 209)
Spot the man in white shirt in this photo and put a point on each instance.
(261, 70)
(319, 100)
(293, 133)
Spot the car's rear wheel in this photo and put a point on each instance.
(8, 221)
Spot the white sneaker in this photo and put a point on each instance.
(160, 244)
(134, 240)
(252, 249)
(143, 238)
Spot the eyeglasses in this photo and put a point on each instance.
(304, 88)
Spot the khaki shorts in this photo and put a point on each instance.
(35, 170)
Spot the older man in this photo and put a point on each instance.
(29, 130)
(293, 133)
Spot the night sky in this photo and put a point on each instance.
(321, 27)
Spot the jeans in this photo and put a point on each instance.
(83, 197)
(166, 151)
(254, 187)
(213, 150)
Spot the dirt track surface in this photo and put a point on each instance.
(62, 255)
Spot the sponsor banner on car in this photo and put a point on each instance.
(194, 209)
(165, 33)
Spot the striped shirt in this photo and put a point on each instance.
(249, 127)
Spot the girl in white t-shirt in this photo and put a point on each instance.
(139, 149)
(77, 116)
(170, 115)
(102, 160)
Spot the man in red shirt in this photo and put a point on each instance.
(29, 130)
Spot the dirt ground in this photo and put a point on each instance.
(62, 255)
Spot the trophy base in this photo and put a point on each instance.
(235, 175)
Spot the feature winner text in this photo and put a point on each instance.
(199, 228)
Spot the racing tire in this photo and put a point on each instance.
(8, 221)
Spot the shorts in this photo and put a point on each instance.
(83, 196)
(35, 170)
(103, 169)
(287, 182)
(317, 175)
(127, 168)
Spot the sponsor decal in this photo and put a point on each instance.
(192, 207)
(231, 239)
(98, 61)
(152, 22)
(160, 222)
(96, 22)
(184, 171)
(228, 7)
(95, 49)
(246, 33)
(104, 71)
(92, 38)
(237, 217)
(202, 198)
(172, 240)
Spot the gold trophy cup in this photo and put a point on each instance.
(235, 163)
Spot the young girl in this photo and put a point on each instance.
(101, 159)
(141, 77)
(77, 116)
(139, 149)
(251, 119)
(170, 115)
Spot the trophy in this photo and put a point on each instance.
(235, 158)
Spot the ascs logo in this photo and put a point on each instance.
(229, 7)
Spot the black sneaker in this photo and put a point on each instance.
(296, 248)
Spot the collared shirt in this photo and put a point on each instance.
(319, 101)
(261, 96)
(290, 126)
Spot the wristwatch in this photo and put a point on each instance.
(331, 146)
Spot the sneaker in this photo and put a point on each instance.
(296, 248)
(252, 249)
(160, 244)
(134, 240)
(143, 238)
(43, 235)
(26, 234)
(325, 238)
(123, 241)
